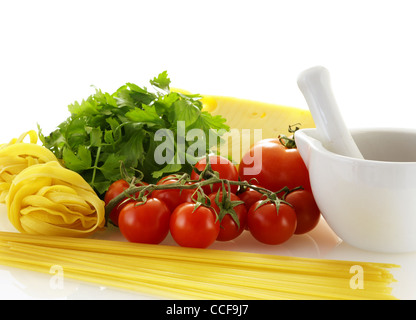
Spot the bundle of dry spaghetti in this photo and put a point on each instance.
(186, 273)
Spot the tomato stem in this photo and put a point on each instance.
(289, 142)
(184, 182)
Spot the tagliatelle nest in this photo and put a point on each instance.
(49, 199)
(16, 156)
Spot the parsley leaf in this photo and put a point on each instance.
(161, 81)
(106, 129)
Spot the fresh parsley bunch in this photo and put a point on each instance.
(106, 130)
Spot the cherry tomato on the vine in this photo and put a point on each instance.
(229, 228)
(307, 211)
(145, 222)
(113, 191)
(250, 196)
(225, 168)
(269, 226)
(172, 197)
(190, 227)
(274, 166)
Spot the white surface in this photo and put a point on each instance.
(52, 51)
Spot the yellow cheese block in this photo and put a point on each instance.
(251, 121)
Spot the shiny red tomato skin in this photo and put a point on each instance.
(229, 229)
(188, 195)
(307, 211)
(225, 168)
(270, 227)
(113, 191)
(278, 166)
(145, 223)
(250, 196)
(197, 229)
(172, 197)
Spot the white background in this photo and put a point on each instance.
(51, 52)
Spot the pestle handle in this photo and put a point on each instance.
(315, 86)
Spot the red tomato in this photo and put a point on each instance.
(187, 195)
(197, 229)
(225, 168)
(172, 197)
(250, 196)
(113, 191)
(274, 166)
(145, 223)
(229, 229)
(307, 211)
(269, 226)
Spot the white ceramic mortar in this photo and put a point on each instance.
(371, 203)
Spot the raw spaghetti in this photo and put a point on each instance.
(187, 273)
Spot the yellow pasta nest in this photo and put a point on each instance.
(41, 196)
(49, 199)
(16, 156)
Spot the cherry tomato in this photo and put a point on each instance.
(145, 223)
(172, 197)
(307, 211)
(250, 196)
(225, 168)
(274, 166)
(229, 229)
(188, 195)
(190, 227)
(113, 191)
(269, 226)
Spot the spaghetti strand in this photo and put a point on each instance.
(188, 273)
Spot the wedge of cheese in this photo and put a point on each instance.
(251, 121)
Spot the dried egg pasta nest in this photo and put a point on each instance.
(49, 199)
(16, 156)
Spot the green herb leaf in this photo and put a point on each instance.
(146, 114)
(81, 161)
(184, 110)
(105, 129)
(161, 81)
(111, 166)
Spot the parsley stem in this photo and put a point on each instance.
(95, 166)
